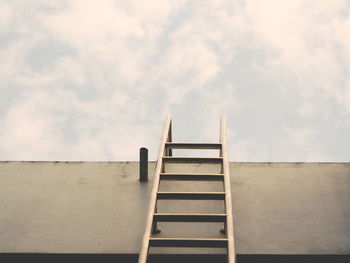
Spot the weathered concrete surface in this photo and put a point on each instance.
(96, 207)
(292, 208)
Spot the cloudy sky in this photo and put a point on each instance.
(93, 80)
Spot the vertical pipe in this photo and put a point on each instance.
(143, 164)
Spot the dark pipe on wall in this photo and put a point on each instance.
(143, 164)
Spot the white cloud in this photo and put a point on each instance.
(28, 129)
(6, 17)
(305, 37)
(51, 125)
(294, 144)
(85, 22)
(307, 110)
(123, 65)
(300, 143)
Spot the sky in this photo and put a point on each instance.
(88, 80)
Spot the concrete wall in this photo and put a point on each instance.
(97, 207)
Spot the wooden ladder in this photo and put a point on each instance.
(165, 156)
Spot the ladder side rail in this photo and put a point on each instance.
(170, 139)
(166, 136)
(228, 199)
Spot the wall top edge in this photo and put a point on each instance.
(116, 162)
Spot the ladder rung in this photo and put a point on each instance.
(191, 195)
(192, 176)
(186, 145)
(192, 159)
(188, 242)
(166, 217)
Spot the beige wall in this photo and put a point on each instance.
(97, 207)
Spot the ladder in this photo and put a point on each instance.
(165, 156)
